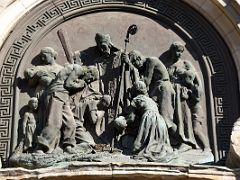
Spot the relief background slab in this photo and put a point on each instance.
(209, 49)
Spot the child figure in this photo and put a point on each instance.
(29, 123)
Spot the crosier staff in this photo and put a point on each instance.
(131, 31)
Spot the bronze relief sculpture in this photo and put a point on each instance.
(123, 103)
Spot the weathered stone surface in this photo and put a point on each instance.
(93, 170)
(233, 159)
(219, 105)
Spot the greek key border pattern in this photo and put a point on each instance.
(61, 8)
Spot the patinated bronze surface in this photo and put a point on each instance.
(155, 109)
(162, 90)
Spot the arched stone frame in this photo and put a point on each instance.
(60, 11)
(222, 14)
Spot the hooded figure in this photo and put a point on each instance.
(109, 66)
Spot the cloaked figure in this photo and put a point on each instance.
(188, 113)
(152, 139)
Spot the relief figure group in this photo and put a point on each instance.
(137, 105)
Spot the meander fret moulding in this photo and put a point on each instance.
(184, 106)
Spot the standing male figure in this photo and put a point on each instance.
(60, 116)
(40, 77)
(109, 67)
(155, 75)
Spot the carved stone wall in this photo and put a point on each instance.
(96, 170)
(209, 50)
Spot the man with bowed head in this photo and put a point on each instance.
(60, 116)
(155, 75)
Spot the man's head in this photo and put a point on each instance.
(136, 58)
(29, 73)
(104, 43)
(138, 88)
(188, 77)
(176, 50)
(48, 55)
(90, 74)
(120, 123)
(105, 100)
(33, 103)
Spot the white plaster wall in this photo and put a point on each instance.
(4, 4)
